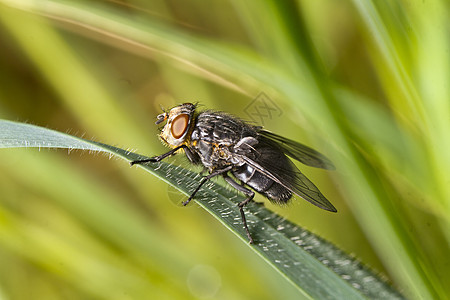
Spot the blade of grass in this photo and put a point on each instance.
(434, 74)
(68, 258)
(79, 100)
(317, 268)
(226, 61)
(369, 199)
(398, 85)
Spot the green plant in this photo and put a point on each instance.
(314, 266)
(385, 116)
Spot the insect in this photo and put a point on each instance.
(248, 157)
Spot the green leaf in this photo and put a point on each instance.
(316, 267)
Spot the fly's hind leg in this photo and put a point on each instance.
(250, 195)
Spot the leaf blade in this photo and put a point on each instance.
(301, 257)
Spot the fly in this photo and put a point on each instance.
(248, 157)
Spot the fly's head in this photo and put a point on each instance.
(180, 120)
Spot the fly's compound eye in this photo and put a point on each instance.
(179, 125)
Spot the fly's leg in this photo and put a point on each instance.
(157, 158)
(204, 180)
(250, 194)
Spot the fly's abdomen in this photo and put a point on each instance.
(275, 163)
(274, 191)
(278, 193)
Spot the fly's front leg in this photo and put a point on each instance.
(204, 180)
(250, 195)
(157, 158)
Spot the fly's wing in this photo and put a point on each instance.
(272, 163)
(297, 151)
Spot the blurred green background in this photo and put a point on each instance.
(365, 83)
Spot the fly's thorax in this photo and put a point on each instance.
(180, 122)
(211, 154)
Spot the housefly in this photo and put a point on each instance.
(248, 157)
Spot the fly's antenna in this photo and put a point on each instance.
(197, 105)
(162, 117)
